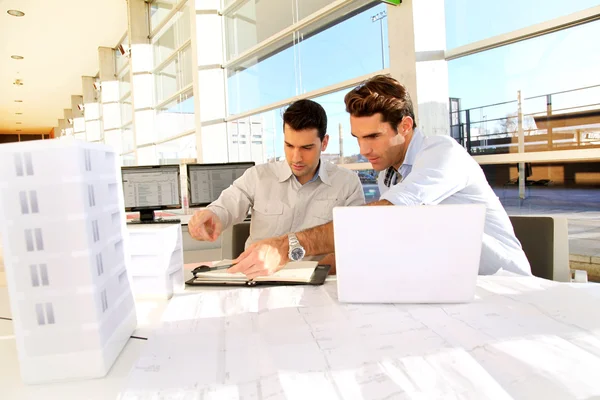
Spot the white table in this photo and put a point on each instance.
(372, 351)
(521, 338)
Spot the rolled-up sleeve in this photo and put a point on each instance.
(233, 204)
(438, 173)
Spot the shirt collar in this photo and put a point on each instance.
(413, 147)
(284, 172)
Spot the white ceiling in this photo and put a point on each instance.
(59, 40)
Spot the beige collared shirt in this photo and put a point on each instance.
(280, 204)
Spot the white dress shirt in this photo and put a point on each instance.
(437, 170)
(280, 204)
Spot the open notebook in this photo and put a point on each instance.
(294, 273)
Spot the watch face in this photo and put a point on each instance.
(297, 254)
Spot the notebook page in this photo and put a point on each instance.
(297, 271)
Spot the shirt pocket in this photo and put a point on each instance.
(322, 208)
(266, 220)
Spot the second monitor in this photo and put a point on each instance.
(207, 181)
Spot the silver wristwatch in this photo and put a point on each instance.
(296, 252)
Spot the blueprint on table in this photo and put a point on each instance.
(522, 337)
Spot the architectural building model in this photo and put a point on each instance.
(63, 227)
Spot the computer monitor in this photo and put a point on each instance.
(207, 181)
(150, 188)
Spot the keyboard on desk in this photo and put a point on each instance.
(155, 221)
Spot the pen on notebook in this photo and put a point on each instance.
(206, 268)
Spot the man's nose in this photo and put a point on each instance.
(296, 156)
(364, 148)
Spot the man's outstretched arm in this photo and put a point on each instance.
(319, 239)
(270, 255)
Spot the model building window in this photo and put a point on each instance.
(28, 164)
(91, 197)
(95, 231)
(18, 164)
(33, 202)
(44, 313)
(103, 300)
(39, 241)
(88, 160)
(99, 264)
(29, 239)
(30, 203)
(39, 273)
(24, 202)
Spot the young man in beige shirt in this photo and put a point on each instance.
(285, 196)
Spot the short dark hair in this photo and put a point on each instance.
(306, 114)
(381, 94)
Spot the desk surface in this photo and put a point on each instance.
(521, 338)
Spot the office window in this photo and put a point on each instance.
(319, 55)
(530, 66)
(159, 10)
(175, 33)
(468, 21)
(176, 116)
(128, 139)
(174, 76)
(175, 150)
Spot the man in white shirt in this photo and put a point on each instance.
(414, 170)
(285, 196)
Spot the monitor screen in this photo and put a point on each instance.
(207, 181)
(155, 187)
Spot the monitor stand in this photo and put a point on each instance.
(148, 217)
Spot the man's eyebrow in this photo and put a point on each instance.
(370, 135)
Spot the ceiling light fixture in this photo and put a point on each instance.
(17, 57)
(18, 101)
(18, 130)
(19, 113)
(16, 13)
(18, 123)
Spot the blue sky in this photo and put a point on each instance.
(559, 61)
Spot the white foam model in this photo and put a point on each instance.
(63, 227)
(156, 268)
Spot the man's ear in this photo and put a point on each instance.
(324, 142)
(405, 126)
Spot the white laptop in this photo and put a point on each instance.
(417, 254)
